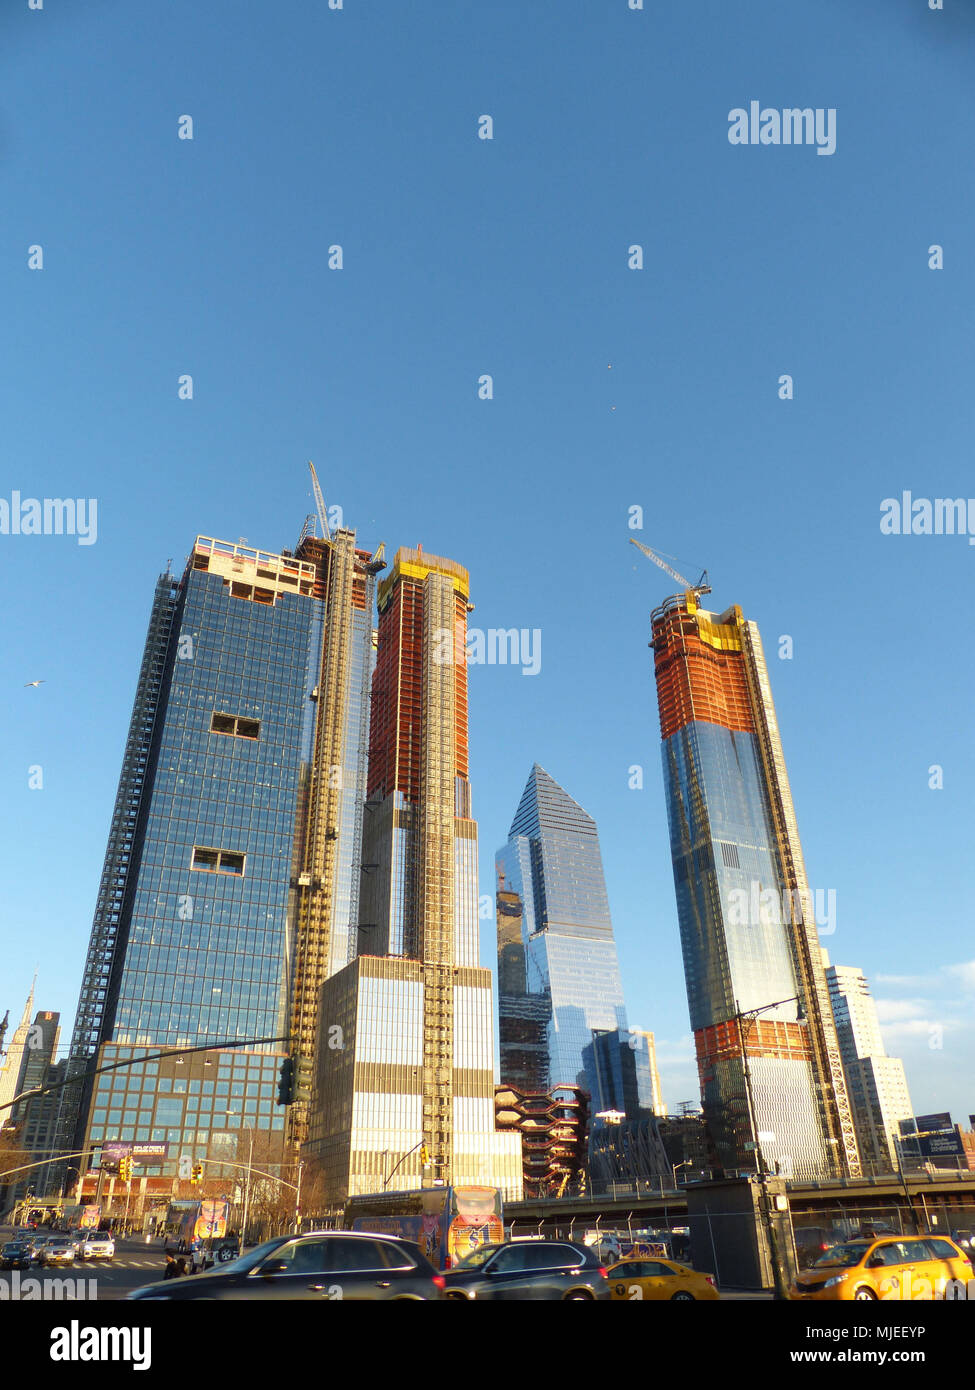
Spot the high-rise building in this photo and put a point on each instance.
(559, 977)
(15, 1059)
(32, 1119)
(877, 1083)
(406, 1050)
(231, 875)
(755, 982)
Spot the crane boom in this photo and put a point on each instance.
(319, 502)
(701, 587)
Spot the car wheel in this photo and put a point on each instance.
(864, 1295)
(578, 1296)
(456, 1297)
(682, 1296)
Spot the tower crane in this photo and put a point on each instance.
(701, 587)
(319, 502)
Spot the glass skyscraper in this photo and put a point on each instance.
(228, 886)
(559, 977)
(746, 915)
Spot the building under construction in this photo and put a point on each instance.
(767, 1051)
(405, 1071)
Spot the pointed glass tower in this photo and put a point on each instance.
(559, 976)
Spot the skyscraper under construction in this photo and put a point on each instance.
(767, 1052)
(405, 1076)
(232, 870)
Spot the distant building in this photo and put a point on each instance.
(625, 1144)
(555, 941)
(876, 1083)
(16, 1059)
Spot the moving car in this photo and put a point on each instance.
(318, 1267)
(528, 1269)
(58, 1250)
(901, 1267)
(15, 1255)
(660, 1279)
(96, 1245)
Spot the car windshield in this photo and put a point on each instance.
(252, 1258)
(477, 1257)
(844, 1255)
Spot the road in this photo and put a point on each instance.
(135, 1264)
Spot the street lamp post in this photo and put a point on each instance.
(777, 1276)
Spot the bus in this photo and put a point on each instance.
(447, 1223)
(202, 1221)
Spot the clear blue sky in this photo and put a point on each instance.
(612, 388)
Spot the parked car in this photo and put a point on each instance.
(15, 1255)
(965, 1240)
(528, 1269)
(866, 1270)
(660, 1279)
(317, 1267)
(96, 1245)
(58, 1250)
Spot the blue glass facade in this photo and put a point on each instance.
(203, 931)
(553, 865)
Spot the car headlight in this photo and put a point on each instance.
(836, 1279)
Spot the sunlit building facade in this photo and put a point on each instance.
(752, 963)
(413, 1079)
(229, 882)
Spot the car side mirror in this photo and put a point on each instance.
(274, 1267)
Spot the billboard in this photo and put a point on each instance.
(117, 1149)
(941, 1145)
(927, 1123)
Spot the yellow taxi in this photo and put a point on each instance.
(656, 1279)
(886, 1267)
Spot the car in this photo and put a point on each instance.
(96, 1245)
(965, 1240)
(660, 1279)
(15, 1255)
(317, 1266)
(902, 1267)
(528, 1269)
(811, 1242)
(37, 1243)
(58, 1250)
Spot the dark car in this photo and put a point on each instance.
(319, 1266)
(811, 1242)
(550, 1269)
(15, 1255)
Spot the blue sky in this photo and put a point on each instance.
(612, 388)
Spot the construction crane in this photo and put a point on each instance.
(701, 587)
(319, 502)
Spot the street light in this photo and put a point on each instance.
(686, 1164)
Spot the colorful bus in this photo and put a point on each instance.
(447, 1223)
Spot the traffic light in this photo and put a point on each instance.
(197, 1175)
(304, 1075)
(125, 1169)
(286, 1083)
(424, 1156)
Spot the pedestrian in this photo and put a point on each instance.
(180, 1267)
(172, 1272)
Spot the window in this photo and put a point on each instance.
(236, 726)
(941, 1250)
(218, 861)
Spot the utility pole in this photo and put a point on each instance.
(773, 1244)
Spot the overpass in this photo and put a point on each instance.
(940, 1201)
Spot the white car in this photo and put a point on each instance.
(97, 1245)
